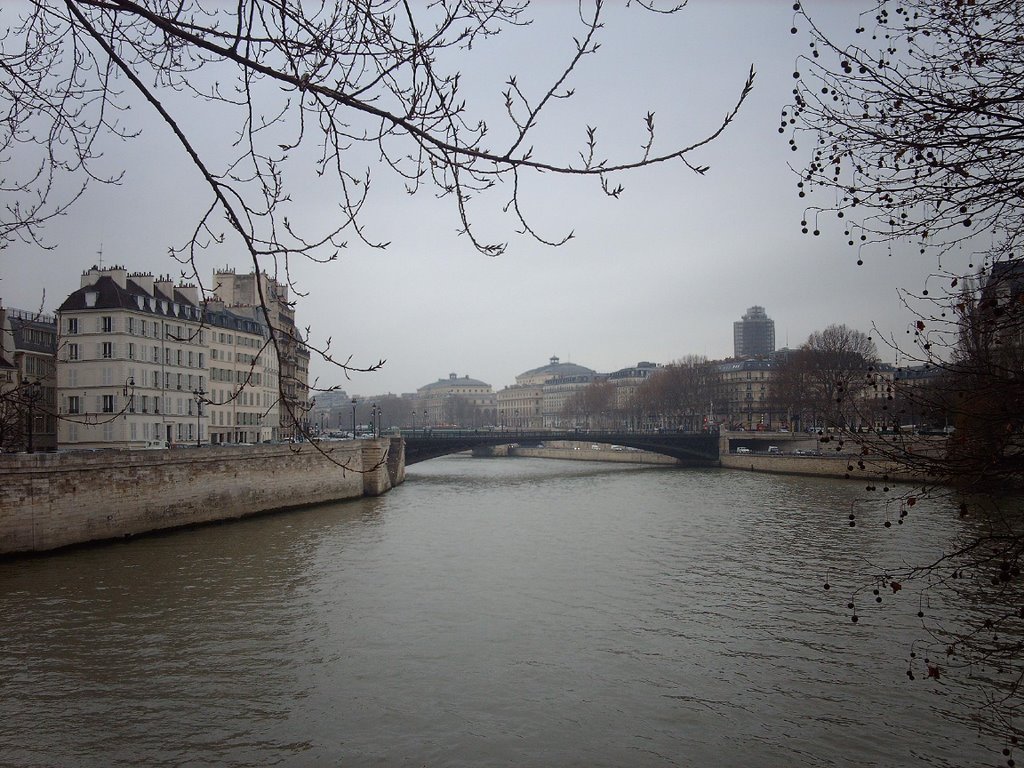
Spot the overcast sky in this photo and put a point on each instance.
(661, 273)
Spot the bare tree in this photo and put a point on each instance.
(286, 85)
(681, 392)
(591, 405)
(914, 131)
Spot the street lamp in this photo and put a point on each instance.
(373, 420)
(32, 393)
(354, 418)
(129, 395)
(198, 394)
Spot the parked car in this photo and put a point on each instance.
(742, 450)
(773, 449)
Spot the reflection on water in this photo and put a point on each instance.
(488, 613)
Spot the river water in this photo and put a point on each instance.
(493, 612)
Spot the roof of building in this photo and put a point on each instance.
(639, 371)
(452, 381)
(555, 368)
(744, 365)
(109, 295)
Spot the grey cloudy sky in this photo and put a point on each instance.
(658, 274)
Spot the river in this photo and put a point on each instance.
(493, 612)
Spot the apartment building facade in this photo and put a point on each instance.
(131, 362)
(243, 396)
(264, 298)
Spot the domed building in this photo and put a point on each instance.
(458, 402)
(533, 402)
(555, 369)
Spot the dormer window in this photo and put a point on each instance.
(90, 298)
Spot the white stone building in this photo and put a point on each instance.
(131, 360)
(243, 396)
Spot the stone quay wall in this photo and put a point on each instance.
(582, 451)
(54, 500)
(844, 467)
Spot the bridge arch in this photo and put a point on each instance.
(692, 449)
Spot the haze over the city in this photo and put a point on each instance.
(660, 273)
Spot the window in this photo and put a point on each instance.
(107, 350)
(143, 324)
(73, 404)
(131, 351)
(108, 403)
(131, 325)
(72, 325)
(106, 324)
(145, 403)
(72, 351)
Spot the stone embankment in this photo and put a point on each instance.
(847, 466)
(583, 451)
(794, 455)
(811, 455)
(53, 500)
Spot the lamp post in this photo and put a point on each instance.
(32, 394)
(373, 420)
(414, 422)
(354, 418)
(129, 395)
(198, 394)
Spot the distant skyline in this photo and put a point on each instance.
(659, 274)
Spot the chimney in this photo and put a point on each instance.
(119, 275)
(90, 276)
(144, 280)
(190, 292)
(164, 285)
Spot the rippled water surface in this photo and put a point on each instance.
(504, 612)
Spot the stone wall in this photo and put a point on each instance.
(846, 466)
(52, 500)
(584, 452)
